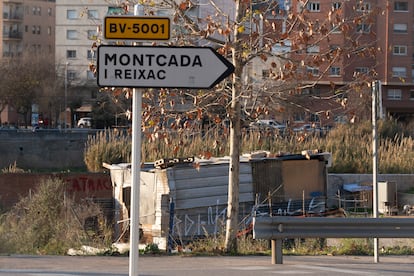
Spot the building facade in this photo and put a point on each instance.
(77, 29)
(396, 65)
(382, 40)
(69, 30)
(28, 26)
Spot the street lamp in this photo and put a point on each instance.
(66, 93)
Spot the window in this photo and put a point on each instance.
(33, 29)
(306, 91)
(312, 49)
(49, 30)
(335, 71)
(93, 14)
(336, 5)
(399, 50)
(394, 94)
(92, 35)
(314, 118)
(311, 91)
(71, 54)
(314, 6)
(91, 54)
(411, 95)
(71, 34)
(312, 71)
(399, 72)
(49, 11)
(361, 70)
(400, 28)
(299, 117)
(71, 14)
(363, 6)
(71, 75)
(115, 11)
(401, 6)
(363, 28)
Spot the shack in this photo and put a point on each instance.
(190, 194)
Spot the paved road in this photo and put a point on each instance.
(17, 265)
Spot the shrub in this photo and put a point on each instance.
(12, 168)
(109, 146)
(356, 247)
(48, 222)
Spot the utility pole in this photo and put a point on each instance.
(375, 88)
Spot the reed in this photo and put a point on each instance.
(350, 145)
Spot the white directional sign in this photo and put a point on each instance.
(161, 66)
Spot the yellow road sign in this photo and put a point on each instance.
(137, 28)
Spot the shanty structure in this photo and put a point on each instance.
(184, 198)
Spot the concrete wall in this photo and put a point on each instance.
(99, 185)
(14, 186)
(43, 149)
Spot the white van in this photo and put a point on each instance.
(268, 124)
(84, 122)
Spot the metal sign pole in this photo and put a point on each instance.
(374, 89)
(135, 182)
(135, 175)
(162, 73)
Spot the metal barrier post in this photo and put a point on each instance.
(277, 254)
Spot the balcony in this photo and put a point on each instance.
(8, 54)
(12, 16)
(12, 35)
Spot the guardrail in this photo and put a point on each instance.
(278, 228)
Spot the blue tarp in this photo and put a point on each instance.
(355, 187)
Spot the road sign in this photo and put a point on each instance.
(160, 66)
(137, 28)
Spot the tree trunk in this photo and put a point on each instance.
(235, 138)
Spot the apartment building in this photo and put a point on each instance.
(28, 28)
(396, 70)
(28, 25)
(78, 26)
(385, 27)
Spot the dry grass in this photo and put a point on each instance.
(350, 145)
(49, 222)
(12, 168)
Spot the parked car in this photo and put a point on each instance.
(308, 128)
(268, 123)
(84, 122)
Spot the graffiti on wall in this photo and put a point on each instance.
(292, 207)
(212, 221)
(199, 224)
(85, 184)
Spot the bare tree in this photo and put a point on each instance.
(27, 80)
(280, 52)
